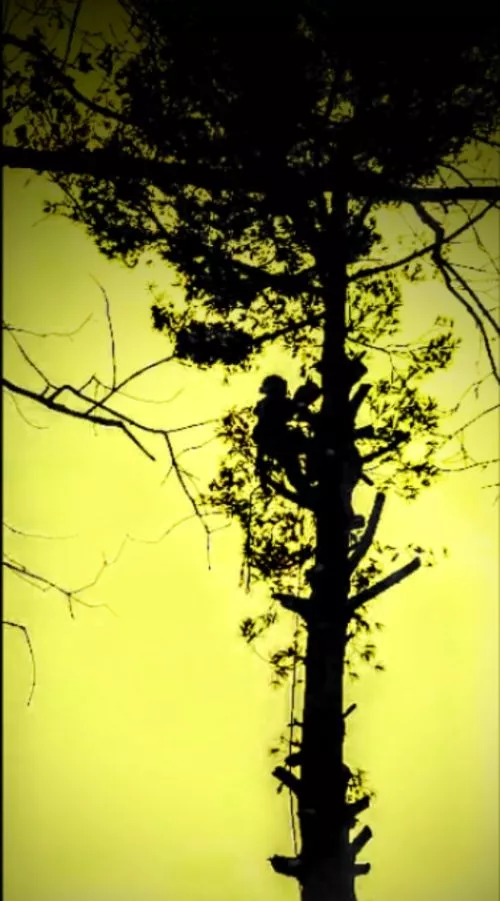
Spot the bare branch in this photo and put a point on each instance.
(142, 400)
(51, 404)
(117, 420)
(287, 778)
(131, 378)
(359, 599)
(111, 334)
(361, 274)
(477, 464)
(26, 356)
(24, 630)
(472, 421)
(194, 425)
(473, 295)
(361, 839)
(71, 34)
(444, 268)
(24, 331)
(107, 416)
(182, 481)
(20, 412)
(43, 583)
(24, 534)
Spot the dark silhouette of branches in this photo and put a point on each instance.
(72, 596)
(99, 412)
(449, 272)
(33, 47)
(43, 583)
(111, 165)
(370, 272)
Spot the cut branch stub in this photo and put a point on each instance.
(361, 840)
(357, 807)
(368, 536)
(361, 869)
(287, 779)
(301, 606)
(286, 866)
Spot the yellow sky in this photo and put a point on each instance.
(140, 770)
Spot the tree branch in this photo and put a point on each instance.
(357, 807)
(301, 606)
(107, 416)
(360, 841)
(39, 52)
(52, 404)
(24, 630)
(110, 165)
(366, 539)
(398, 576)
(444, 268)
(111, 333)
(46, 584)
(287, 778)
(361, 274)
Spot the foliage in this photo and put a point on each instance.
(260, 141)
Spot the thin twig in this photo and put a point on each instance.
(36, 536)
(444, 268)
(181, 478)
(51, 404)
(71, 34)
(134, 375)
(43, 583)
(39, 52)
(111, 333)
(24, 630)
(362, 274)
(25, 331)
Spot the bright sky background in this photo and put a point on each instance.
(140, 770)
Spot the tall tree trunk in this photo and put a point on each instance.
(328, 873)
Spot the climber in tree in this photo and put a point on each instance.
(278, 440)
(281, 440)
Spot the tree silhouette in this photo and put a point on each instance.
(259, 164)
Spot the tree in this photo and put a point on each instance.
(264, 186)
